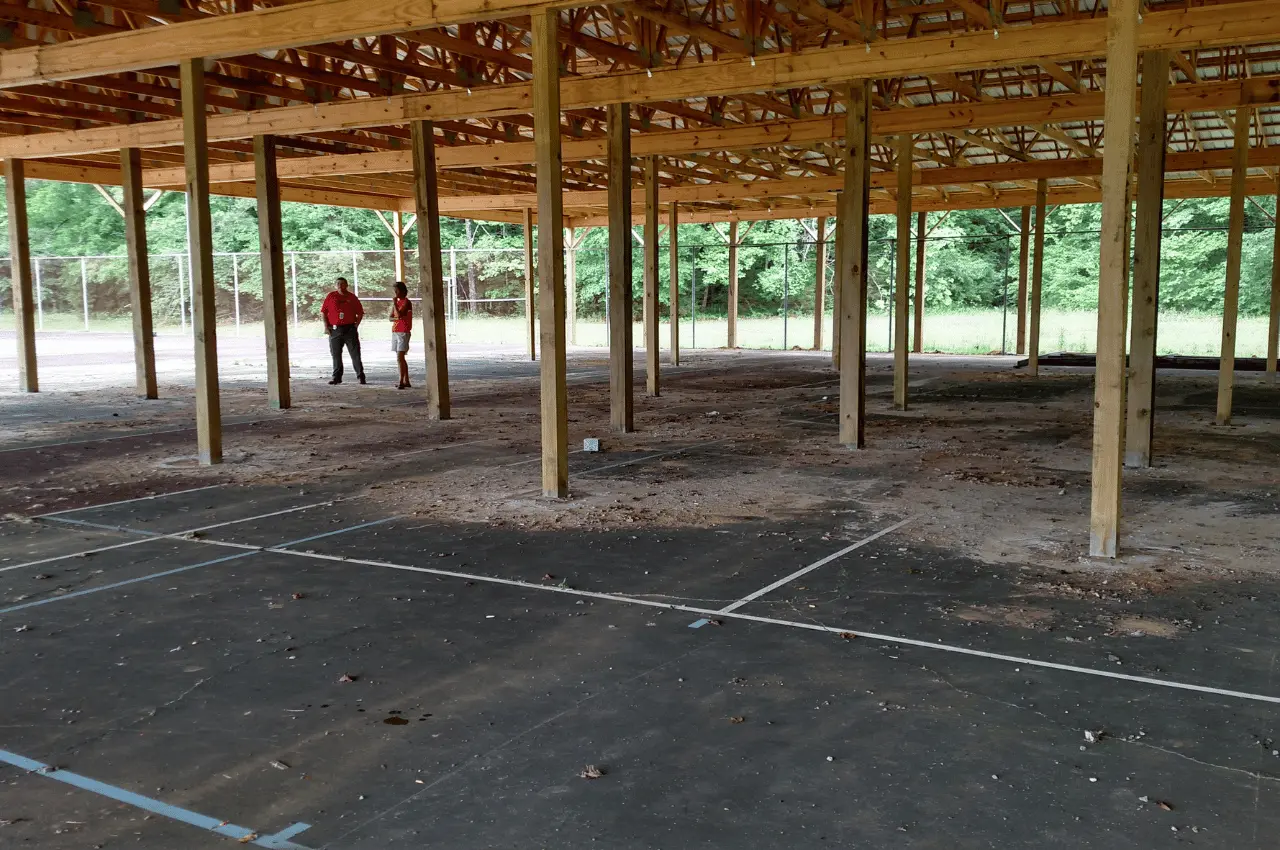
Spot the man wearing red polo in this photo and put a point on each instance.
(342, 312)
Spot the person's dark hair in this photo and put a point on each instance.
(342, 280)
(401, 289)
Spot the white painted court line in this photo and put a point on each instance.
(650, 457)
(814, 627)
(149, 536)
(130, 501)
(445, 446)
(822, 562)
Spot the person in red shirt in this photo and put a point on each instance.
(401, 326)
(342, 312)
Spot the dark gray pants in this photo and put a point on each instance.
(349, 336)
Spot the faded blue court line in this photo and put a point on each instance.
(278, 841)
(187, 568)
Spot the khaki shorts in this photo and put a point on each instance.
(400, 342)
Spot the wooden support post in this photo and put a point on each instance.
(652, 365)
(1273, 326)
(854, 223)
(204, 319)
(135, 241)
(901, 284)
(397, 243)
(1149, 214)
(571, 284)
(275, 305)
(1113, 281)
(917, 343)
(1037, 278)
(820, 282)
(837, 283)
(673, 279)
(621, 344)
(1235, 238)
(1024, 249)
(530, 309)
(426, 201)
(24, 306)
(732, 339)
(546, 148)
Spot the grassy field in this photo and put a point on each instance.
(969, 332)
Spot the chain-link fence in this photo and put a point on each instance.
(970, 291)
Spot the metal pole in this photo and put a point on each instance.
(235, 287)
(84, 290)
(893, 276)
(39, 298)
(786, 265)
(355, 273)
(293, 279)
(453, 275)
(182, 297)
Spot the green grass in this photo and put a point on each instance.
(959, 332)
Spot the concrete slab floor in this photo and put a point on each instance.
(435, 657)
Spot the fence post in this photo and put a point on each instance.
(235, 287)
(182, 297)
(84, 290)
(693, 301)
(355, 273)
(453, 275)
(786, 266)
(293, 282)
(39, 300)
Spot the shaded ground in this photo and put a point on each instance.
(486, 670)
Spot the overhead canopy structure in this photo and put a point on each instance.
(737, 99)
(738, 110)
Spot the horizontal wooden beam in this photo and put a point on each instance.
(1233, 23)
(1192, 97)
(294, 25)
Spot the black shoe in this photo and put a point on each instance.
(335, 381)
(362, 380)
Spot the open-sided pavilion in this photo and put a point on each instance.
(549, 111)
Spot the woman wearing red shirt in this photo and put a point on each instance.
(401, 326)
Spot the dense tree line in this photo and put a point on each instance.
(972, 256)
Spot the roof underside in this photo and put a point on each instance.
(982, 137)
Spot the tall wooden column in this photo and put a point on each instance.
(621, 330)
(732, 338)
(901, 285)
(1024, 249)
(530, 308)
(24, 306)
(204, 320)
(838, 280)
(917, 343)
(135, 240)
(1273, 326)
(1113, 280)
(1037, 278)
(854, 208)
(546, 149)
(275, 318)
(397, 243)
(426, 201)
(1235, 238)
(1146, 259)
(652, 364)
(820, 282)
(673, 279)
(571, 284)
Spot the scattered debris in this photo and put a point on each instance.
(715, 622)
(1093, 737)
(591, 444)
(395, 720)
(348, 677)
(250, 838)
(42, 576)
(591, 772)
(738, 719)
(548, 577)
(23, 629)
(848, 635)
(22, 518)
(280, 765)
(299, 596)
(1168, 807)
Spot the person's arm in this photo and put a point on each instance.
(359, 310)
(324, 313)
